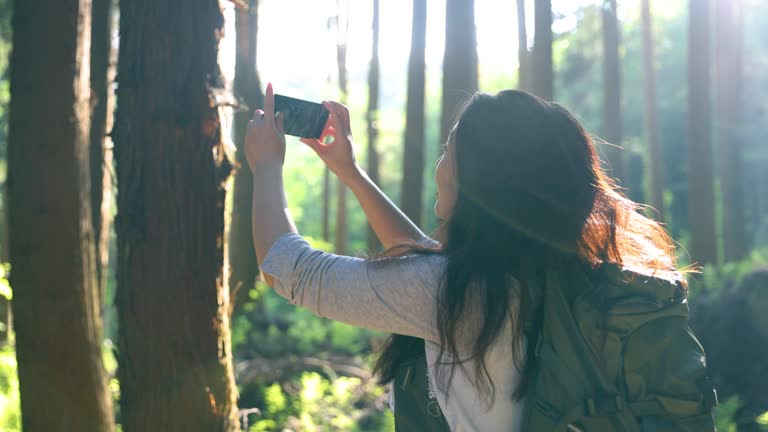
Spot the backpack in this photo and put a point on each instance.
(416, 407)
(617, 356)
(614, 353)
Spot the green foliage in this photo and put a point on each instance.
(762, 420)
(715, 278)
(10, 408)
(725, 412)
(316, 403)
(5, 287)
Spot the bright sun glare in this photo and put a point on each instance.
(297, 40)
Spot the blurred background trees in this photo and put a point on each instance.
(680, 86)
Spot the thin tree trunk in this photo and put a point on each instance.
(542, 81)
(326, 204)
(612, 90)
(730, 76)
(57, 314)
(701, 200)
(459, 61)
(247, 87)
(6, 316)
(175, 362)
(655, 172)
(523, 56)
(102, 76)
(342, 27)
(372, 117)
(413, 152)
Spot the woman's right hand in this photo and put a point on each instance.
(338, 154)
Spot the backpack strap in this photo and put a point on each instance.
(614, 284)
(416, 407)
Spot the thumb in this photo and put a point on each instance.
(279, 121)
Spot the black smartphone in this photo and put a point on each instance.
(302, 118)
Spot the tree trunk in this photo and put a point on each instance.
(175, 363)
(243, 263)
(612, 90)
(459, 61)
(326, 204)
(372, 117)
(342, 27)
(701, 200)
(413, 152)
(102, 76)
(655, 172)
(523, 70)
(543, 79)
(57, 314)
(730, 76)
(6, 316)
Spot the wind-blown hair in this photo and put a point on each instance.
(532, 195)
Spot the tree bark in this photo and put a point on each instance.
(523, 56)
(701, 200)
(730, 76)
(413, 151)
(612, 90)
(543, 79)
(459, 60)
(655, 171)
(243, 263)
(342, 27)
(57, 314)
(372, 117)
(102, 76)
(175, 362)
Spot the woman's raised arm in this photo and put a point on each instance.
(389, 223)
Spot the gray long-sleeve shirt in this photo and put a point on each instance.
(397, 296)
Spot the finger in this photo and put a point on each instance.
(269, 102)
(331, 120)
(331, 113)
(257, 115)
(328, 129)
(342, 112)
(330, 125)
(334, 121)
(341, 115)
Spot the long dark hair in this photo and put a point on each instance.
(531, 196)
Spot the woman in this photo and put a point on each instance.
(520, 190)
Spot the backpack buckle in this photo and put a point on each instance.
(605, 404)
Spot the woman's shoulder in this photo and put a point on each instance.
(428, 269)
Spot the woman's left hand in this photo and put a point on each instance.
(265, 140)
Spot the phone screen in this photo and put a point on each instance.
(301, 118)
